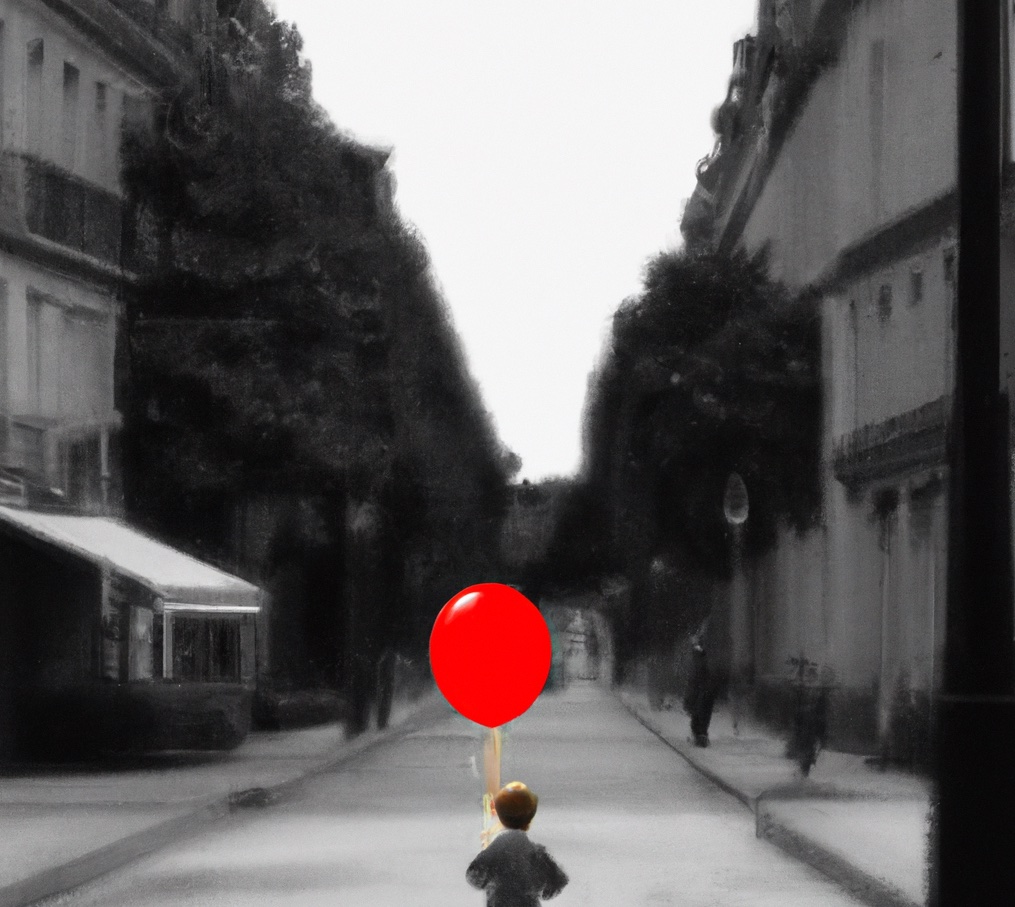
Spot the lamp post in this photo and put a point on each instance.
(736, 507)
(973, 820)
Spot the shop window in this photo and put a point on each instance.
(116, 595)
(140, 651)
(206, 649)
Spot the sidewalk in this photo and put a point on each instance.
(864, 827)
(64, 826)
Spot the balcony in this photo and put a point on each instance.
(41, 200)
(67, 462)
(910, 441)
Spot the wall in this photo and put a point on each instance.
(63, 298)
(62, 100)
(862, 593)
(93, 153)
(888, 361)
(875, 140)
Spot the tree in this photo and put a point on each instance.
(260, 233)
(712, 369)
(286, 333)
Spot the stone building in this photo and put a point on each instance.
(836, 154)
(107, 637)
(71, 74)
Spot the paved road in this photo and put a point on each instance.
(628, 819)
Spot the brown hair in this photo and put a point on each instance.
(515, 805)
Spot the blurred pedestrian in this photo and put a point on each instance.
(699, 698)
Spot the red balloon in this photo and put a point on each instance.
(490, 653)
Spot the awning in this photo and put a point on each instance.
(181, 581)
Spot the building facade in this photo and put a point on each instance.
(108, 639)
(71, 75)
(836, 155)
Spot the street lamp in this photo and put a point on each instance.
(736, 505)
(736, 508)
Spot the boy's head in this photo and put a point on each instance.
(515, 805)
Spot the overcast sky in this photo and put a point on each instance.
(544, 149)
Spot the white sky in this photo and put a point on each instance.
(544, 149)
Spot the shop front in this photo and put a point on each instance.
(116, 641)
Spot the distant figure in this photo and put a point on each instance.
(385, 686)
(513, 871)
(592, 647)
(700, 695)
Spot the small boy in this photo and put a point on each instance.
(513, 870)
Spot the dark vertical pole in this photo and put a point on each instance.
(974, 812)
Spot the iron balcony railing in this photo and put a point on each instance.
(40, 199)
(911, 440)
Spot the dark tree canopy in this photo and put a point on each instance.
(713, 369)
(286, 332)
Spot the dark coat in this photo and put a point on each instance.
(515, 872)
(699, 683)
(700, 696)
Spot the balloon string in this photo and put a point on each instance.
(492, 746)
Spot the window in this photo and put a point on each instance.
(949, 266)
(140, 651)
(206, 649)
(33, 358)
(885, 302)
(69, 358)
(86, 363)
(83, 473)
(915, 286)
(2, 68)
(854, 361)
(100, 138)
(876, 90)
(68, 148)
(33, 99)
(4, 360)
(72, 212)
(26, 447)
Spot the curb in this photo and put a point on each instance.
(720, 782)
(431, 710)
(862, 885)
(57, 880)
(868, 888)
